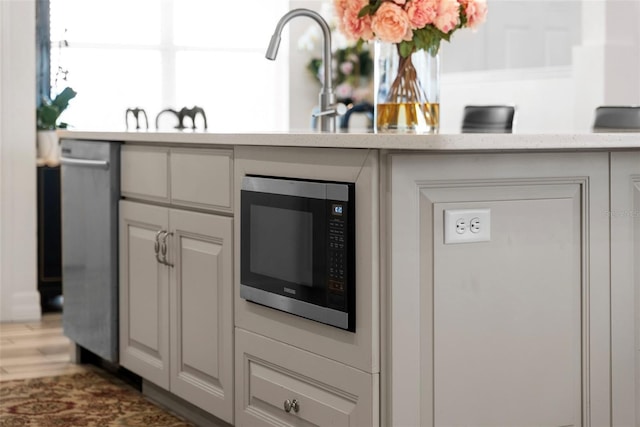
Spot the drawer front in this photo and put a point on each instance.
(325, 392)
(201, 178)
(144, 173)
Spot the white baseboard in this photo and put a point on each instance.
(25, 306)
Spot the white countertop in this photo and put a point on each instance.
(449, 142)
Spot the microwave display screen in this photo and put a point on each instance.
(281, 244)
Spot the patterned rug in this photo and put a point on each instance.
(88, 399)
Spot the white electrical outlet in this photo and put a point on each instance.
(467, 225)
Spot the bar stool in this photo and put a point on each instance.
(617, 119)
(488, 118)
(360, 108)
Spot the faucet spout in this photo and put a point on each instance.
(327, 96)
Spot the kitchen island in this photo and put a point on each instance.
(535, 323)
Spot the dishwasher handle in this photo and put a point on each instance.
(102, 164)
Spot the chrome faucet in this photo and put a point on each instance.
(328, 107)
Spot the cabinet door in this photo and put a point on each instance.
(144, 287)
(318, 391)
(201, 305)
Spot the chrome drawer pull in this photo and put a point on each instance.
(156, 246)
(164, 249)
(291, 404)
(70, 161)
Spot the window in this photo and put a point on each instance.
(158, 54)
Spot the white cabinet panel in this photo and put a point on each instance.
(201, 178)
(201, 310)
(513, 331)
(144, 292)
(191, 177)
(325, 392)
(145, 172)
(507, 317)
(625, 287)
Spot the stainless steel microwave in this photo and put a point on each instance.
(297, 247)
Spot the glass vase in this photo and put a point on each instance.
(407, 91)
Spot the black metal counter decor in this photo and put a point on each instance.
(191, 113)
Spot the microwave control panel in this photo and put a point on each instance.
(337, 255)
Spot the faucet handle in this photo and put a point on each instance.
(338, 109)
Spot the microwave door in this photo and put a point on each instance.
(283, 245)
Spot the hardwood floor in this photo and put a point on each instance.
(35, 349)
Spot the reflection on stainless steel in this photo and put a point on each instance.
(310, 311)
(90, 193)
(69, 161)
(289, 187)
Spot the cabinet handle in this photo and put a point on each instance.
(291, 405)
(156, 246)
(164, 249)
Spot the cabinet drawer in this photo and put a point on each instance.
(201, 178)
(144, 172)
(326, 392)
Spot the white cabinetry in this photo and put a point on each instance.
(283, 385)
(144, 293)
(359, 349)
(176, 269)
(625, 287)
(513, 331)
(332, 374)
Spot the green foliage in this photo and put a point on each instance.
(371, 8)
(49, 111)
(427, 38)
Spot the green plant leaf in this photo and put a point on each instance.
(47, 114)
(49, 111)
(63, 98)
(406, 48)
(366, 10)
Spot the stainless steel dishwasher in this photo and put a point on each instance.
(90, 192)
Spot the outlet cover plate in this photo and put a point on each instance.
(480, 217)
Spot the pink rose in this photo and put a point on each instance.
(476, 11)
(448, 15)
(346, 68)
(422, 12)
(391, 23)
(352, 26)
(339, 6)
(344, 90)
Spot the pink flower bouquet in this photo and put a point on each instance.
(407, 93)
(412, 24)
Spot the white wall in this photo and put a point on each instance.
(535, 113)
(607, 63)
(19, 297)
